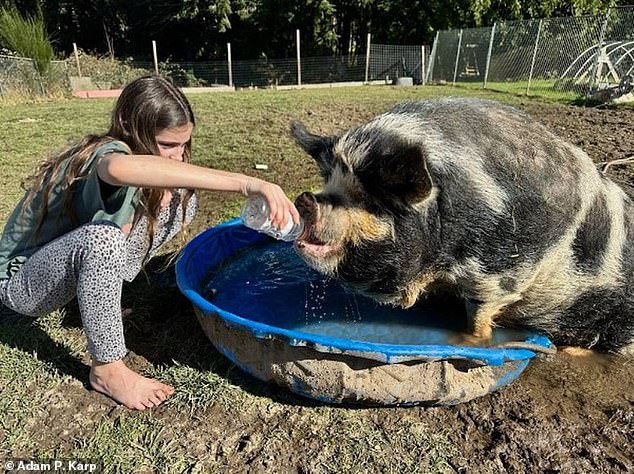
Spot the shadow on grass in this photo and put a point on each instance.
(22, 333)
(162, 329)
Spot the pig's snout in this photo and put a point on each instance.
(306, 204)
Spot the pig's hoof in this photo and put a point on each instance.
(576, 351)
(470, 340)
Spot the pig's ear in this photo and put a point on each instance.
(399, 175)
(320, 148)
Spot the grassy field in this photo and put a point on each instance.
(541, 89)
(218, 414)
(234, 130)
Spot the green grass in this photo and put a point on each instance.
(30, 131)
(234, 130)
(541, 89)
(220, 419)
(359, 446)
(129, 443)
(199, 388)
(25, 383)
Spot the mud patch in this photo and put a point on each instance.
(565, 414)
(346, 378)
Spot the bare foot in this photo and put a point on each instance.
(125, 312)
(125, 386)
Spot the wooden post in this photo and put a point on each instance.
(432, 56)
(530, 74)
(156, 70)
(489, 52)
(229, 64)
(77, 59)
(299, 63)
(455, 69)
(422, 65)
(367, 59)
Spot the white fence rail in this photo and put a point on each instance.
(386, 63)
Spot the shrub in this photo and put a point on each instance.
(181, 75)
(26, 36)
(105, 70)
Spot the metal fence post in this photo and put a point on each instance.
(430, 72)
(486, 70)
(299, 64)
(367, 59)
(455, 68)
(155, 57)
(530, 74)
(595, 73)
(229, 65)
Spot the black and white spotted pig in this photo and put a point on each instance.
(477, 197)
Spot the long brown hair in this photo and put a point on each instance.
(146, 106)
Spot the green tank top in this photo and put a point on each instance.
(93, 200)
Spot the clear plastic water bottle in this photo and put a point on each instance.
(255, 215)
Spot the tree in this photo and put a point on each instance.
(200, 29)
(487, 12)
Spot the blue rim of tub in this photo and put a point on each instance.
(387, 353)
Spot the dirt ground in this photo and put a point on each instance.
(569, 414)
(566, 413)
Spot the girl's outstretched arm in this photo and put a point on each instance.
(147, 171)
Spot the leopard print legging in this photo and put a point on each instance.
(91, 262)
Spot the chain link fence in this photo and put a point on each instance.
(551, 57)
(559, 57)
(83, 72)
(20, 78)
(391, 61)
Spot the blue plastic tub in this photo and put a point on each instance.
(269, 330)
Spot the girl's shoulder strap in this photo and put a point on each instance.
(108, 145)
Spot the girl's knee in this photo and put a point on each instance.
(103, 244)
(102, 237)
(101, 234)
(19, 301)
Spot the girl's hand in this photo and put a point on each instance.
(279, 204)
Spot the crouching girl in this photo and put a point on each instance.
(97, 211)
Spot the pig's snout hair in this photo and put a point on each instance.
(305, 201)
